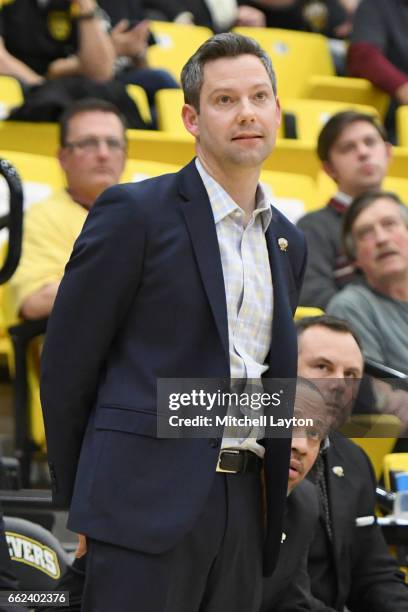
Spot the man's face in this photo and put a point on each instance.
(333, 361)
(358, 160)
(94, 156)
(380, 236)
(239, 114)
(306, 441)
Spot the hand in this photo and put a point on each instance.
(81, 7)
(402, 94)
(63, 67)
(81, 548)
(251, 17)
(130, 43)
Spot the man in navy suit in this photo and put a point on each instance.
(189, 275)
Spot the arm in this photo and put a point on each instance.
(39, 304)
(367, 61)
(319, 285)
(367, 56)
(99, 285)
(95, 57)
(10, 65)
(48, 238)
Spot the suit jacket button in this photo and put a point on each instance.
(214, 443)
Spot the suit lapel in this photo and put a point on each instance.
(337, 495)
(283, 331)
(199, 219)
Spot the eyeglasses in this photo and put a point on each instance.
(91, 144)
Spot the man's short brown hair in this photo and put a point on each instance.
(228, 44)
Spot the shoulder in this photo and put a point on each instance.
(317, 217)
(56, 208)
(348, 451)
(353, 294)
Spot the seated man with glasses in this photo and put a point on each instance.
(92, 156)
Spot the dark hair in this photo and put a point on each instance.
(332, 323)
(219, 46)
(356, 208)
(83, 106)
(335, 126)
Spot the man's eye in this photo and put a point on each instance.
(224, 99)
(261, 95)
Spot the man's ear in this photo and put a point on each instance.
(62, 156)
(330, 170)
(278, 112)
(190, 119)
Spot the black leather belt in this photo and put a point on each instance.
(235, 461)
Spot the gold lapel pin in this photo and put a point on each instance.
(283, 538)
(283, 244)
(338, 470)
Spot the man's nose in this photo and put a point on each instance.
(337, 381)
(363, 150)
(103, 148)
(246, 111)
(381, 234)
(299, 443)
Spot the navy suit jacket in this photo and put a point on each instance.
(142, 298)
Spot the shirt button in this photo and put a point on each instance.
(214, 443)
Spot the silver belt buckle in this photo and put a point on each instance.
(219, 468)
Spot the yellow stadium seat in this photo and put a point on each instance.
(36, 168)
(11, 94)
(294, 156)
(175, 44)
(296, 56)
(169, 103)
(347, 89)
(392, 464)
(307, 311)
(376, 434)
(139, 169)
(402, 126)
(37, 138)
(160, 146)
(139, 97)
(399, 162)
(292, 194)
(326, 187)
(376, 449)
(307, 117)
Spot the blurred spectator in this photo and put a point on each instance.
(376, 236)
(324, 16)
(52, 39)
(349, 563)
(355, 154)
(131, 37)
(379, 46)
(92, 156)
(218, 16)
(288, 589)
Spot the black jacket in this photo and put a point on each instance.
(355, 569)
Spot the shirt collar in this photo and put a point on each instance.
(223, 205)
(344, 198)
